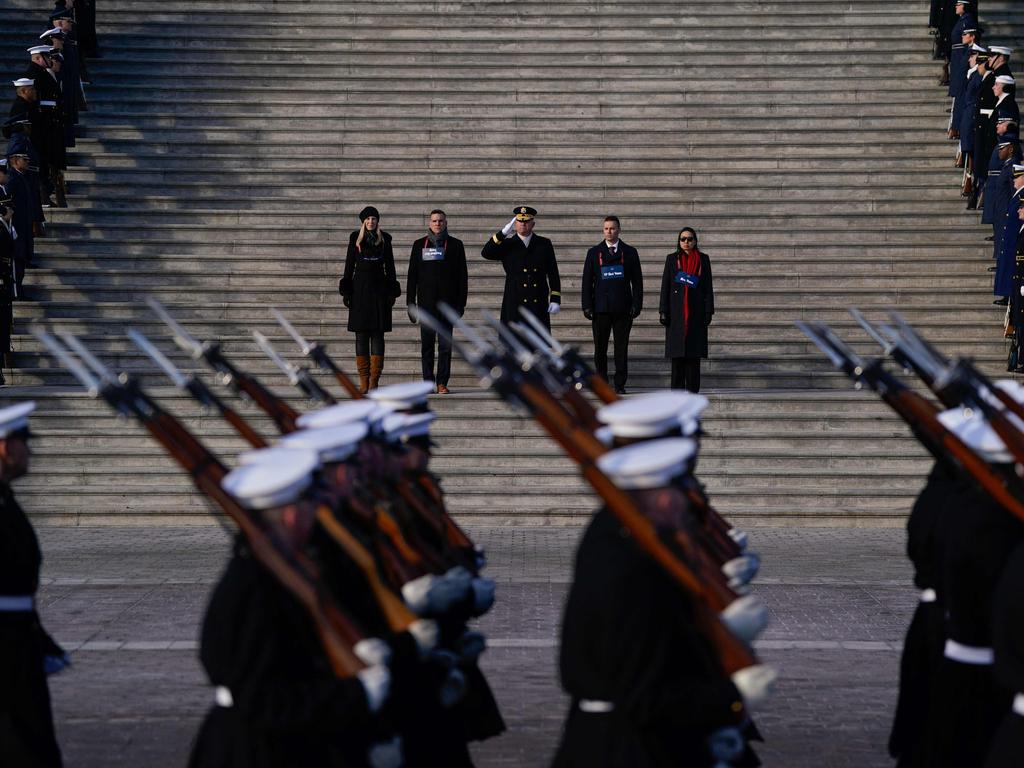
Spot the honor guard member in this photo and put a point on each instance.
(1000, 184)
(27, 215)
(68, 74)
(1008, 644)
(958, 67)
(65, 21)
(7, 236)
(983, 132)
(969, 119)
(437, 273)
(277, 701)
(965, 20)
(1001, 56)
(965, 105)
(979, 535)
(1007, 239)
(531, 270)
(1017, 300)
(646, 689)
(26, 106)
(26, 723)
(51, 110)
(613, 296)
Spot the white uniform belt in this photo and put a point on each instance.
(222, 697)
(958, 46)
(968, 654)
(986, 112)
(592, 706)
(17, 604)
(47, 103)
(928, 596)
(1018, 704)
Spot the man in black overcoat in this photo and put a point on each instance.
(437, 273)
(26, 723)
(612, 293)
(531, 270)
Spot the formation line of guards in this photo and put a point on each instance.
(340, 635)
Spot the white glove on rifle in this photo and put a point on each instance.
(741, 570)
(373, 651)
(425, 632)
(377, 684)
(754, 684)
(746, 617)
(433, 595)
(509, 228)
(483, 595)
(554, 308)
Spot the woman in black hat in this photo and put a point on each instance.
(687, 304)
(369, 289)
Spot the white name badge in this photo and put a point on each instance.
(433, 254)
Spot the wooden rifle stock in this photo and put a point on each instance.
(321, 358)
(282, 414)
(336, 631)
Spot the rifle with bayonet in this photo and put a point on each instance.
(282, 414)
(316, 352)
(299, 376)
(517, 382)
(920, 415)
(292, 569)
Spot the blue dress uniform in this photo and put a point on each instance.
(958, 52)
(967, 110)
(1007, 255)
(27, 211)
(1000, 182)
(531, 272)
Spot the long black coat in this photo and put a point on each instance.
(447, 279)
(289, 708)
(687, 339)
(26, 723)
(369, 285)
(51, 144)
(619, 295)
(26, 204)
(628, 637)
(531, 275)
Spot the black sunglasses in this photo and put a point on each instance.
(687, 239)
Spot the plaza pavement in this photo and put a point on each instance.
(128, 602)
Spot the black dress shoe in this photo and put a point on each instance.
(1001, 302)
(990, 238)
(620, 390)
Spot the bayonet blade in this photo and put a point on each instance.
(182, 338)
(268, 349)
(159, 358)
(87, 357)
(304, 345)
(542, 331)
(86, 379)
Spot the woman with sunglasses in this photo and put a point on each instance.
(687, 304)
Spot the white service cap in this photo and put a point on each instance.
(651, 464)
(342, 413)
(277, 480)
(15, 417)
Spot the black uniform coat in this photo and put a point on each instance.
(369, 284)
(531, 275)
(26, 204)
(688, 339)
(289, 708)
(965, 111)
(26, 723)
(1016, 300)
(51, 144)
(984, 127)
(6, 286)
(617, 296)
(628, 638)
(447, 280)
(1008, 642)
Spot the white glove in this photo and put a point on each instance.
(554, 308)
(741, 570)
(452, 689)
(483, 595)
(754, 684)
(387, 754)
(509, 228)
(377, 684)
(425, 632)
(740, 537)
(1022, 290)
(746, 617)
(373, 651)
(433, 595)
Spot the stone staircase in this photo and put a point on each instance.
(225, 156)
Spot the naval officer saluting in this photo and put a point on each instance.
(531, 271)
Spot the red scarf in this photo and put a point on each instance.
(689, 263)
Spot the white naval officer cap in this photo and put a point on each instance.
(23, 82)
(1018, 171)
(274, 482)
(55, 32)
(975, 48)
(977, 434)
(1000, 50)
(398, 427)
(331, 444)
(654, 414)
(15, 417)
(651, 464)
(1006, 80)
(365, 411)
(39, 49)
(404, 396)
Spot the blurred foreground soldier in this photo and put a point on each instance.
(613, 296)
(277, 701)
(26, 723)
(369, 289)
(686, 308)
(531, 270)
(967, 703)
(437, 273)
(645, 686)
(1008, 640)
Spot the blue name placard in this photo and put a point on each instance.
(685, 278)
(613, 272)
(433, 254)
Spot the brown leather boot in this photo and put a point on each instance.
(363, 367)
(376, 368)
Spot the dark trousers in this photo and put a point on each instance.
(370, 344)
(444, 354)
(605, 324)
(686, 373)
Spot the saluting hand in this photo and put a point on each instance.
(509, 228)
